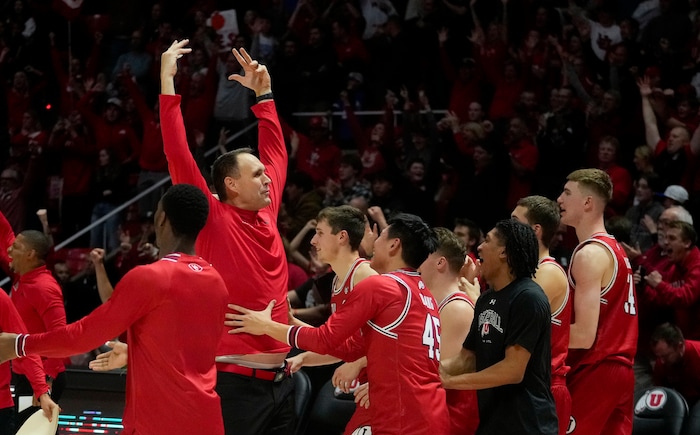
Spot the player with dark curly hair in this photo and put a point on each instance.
(506, 356)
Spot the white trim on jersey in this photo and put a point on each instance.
(607, 288)
(350, 274)
(386, 330)
(174, 257)
(555, 314)
(455, 296)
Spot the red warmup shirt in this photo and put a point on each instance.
(173, 312)
(37, 297)
(31, 367)
(685, 377)
(462, 404)
(244, 246)
(680, 290)
(400, 325)
(616, 337)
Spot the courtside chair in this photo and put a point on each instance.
(659, 410)
(302, 400)
(330, 414)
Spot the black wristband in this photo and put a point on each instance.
(267, 96)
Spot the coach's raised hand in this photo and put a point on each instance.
(256, 77)
(168, 65)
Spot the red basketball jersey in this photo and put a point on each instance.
(616, 337)
(342, 291)
(461, 404)
(561, 326)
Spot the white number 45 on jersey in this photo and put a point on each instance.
(431, 336)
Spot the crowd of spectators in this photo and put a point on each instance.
(480, 103)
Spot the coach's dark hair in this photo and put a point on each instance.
(669, 333)
(417, 239)
(187, 209)
(522, 248)
(37, 241)
(543, 212)
(226, 165)
(345, 218)
(451, 247)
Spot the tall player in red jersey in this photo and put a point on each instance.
(242, 242)
(173, 313)
(400, 326)
(542, 214)
(441, 273)
(339, 231)
(603, 337)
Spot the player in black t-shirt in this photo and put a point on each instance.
(507, 355)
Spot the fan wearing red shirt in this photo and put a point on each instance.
(243, 243)
(400, 326)
(36, 295)
(173, 313)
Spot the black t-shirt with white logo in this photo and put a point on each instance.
(518, 314)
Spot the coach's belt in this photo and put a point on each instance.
(274, 375)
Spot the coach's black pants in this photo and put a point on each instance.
(253, 406)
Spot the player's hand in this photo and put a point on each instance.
(48, 406)
(296, 362)
(367, 242)
(114, 359)
(472, 289)
(249, 321)
(362, 395)
(470, 269)
(345, 375)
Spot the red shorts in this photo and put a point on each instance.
(602, 399)
(464, 412)
(361, 417)
(562, 402)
